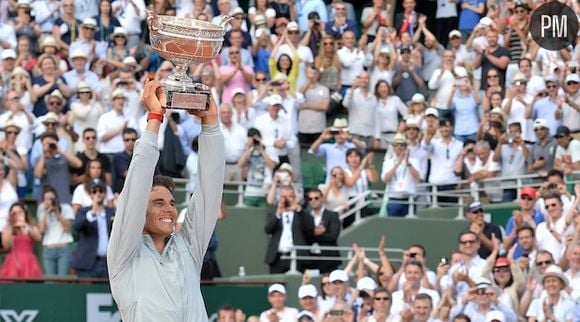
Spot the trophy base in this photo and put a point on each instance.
(189, 97)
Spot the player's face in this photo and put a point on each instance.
(161, 212)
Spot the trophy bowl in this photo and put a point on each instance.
(184, 42)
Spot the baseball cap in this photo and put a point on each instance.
(237, 91)
(482, 282)
(89, 23)
(432, 111)
(551, 78)
(528, 191)
(276, 288)
(303, 314)
(540, 123)
(307, 290)
(455, 33)
(97, 183)
(418, 98)
(519, 77)
(8, 53)
(78, 53)
(274, 99)
(366, 283)
(486, 21)
(286, 166)
(292, 25)
(118, 93)
(412, 124)
(50, 117)
(338, 275)
(313, 15)
(495, 316)
(460, 71)
(502, 262)
(572, 78)
(562, 131)
(405, 48)
(475, 206)
(399, 139)
(83, 87)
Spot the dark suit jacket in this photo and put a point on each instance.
(400, 18)
(331, 221)
(88, 238)
(302, 228)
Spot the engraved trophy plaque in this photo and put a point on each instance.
(184, 42)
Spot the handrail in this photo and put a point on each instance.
(294, 258)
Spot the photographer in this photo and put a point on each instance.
(287, 225)
(283, 176)
(55, 221)
(260, 167)
(53, 165)
(315, 32)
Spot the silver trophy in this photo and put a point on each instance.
(184, 42)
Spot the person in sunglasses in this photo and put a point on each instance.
(534, 288)
(549, 234)
(545, 103)
(483, 229)
(527, 215)
(480, 300)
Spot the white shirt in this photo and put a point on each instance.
(7, 34)
(387, 114)
(235, 139)
(55, 233)
(574, 282)
(399, 302)
(24, 138)
(83, 198)
(490, 188)
(474, 270)
(286, 239)
(572, 152)
(546, 240)
(563, 310)
(306, 58)
(128, 17)
(443, 85)
(45, 14)
(571, 117)
(290, 111)
(518, 114)
(362, 112)
(446, 9)
(85, 116)
(108, 122)
(443, 173)
(103, 241)
(8, 196)
(289, 314)
(352, 61)
(162, 128)
(245, 119)
(272, 130)
(402, 183)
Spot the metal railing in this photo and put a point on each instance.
(294, 257)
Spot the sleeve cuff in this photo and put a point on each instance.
(210, 128)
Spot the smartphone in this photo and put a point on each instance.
(443, 260)
(335, 313)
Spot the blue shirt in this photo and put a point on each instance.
(546, 109)
(466, 115)
(305, 7)
(469, 19)
(509, 227)
(335, 155)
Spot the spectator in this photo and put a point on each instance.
(94, 175)
(85, 112)
(549, 234)
(469, 268)
(554, 184)
(414, 272)
(462, 54)
(15, 159)
(567, 157)
(406, 21)
(305, 55)
(8, 196)
(53, 166)
(314, 34)
(464, 103)
(526, 216)
(421, 310)
(513, 154)
(8, 57)
(106, 22)
(19, 236)
(260, 167)
(261, 51)
(443, 78)
(485, 231)
(492, 57)
(86, 41)
(514, 106)
(117, 50)
(261, 8)
(283, 176)
(209, 75)
(543, 151)
(528, 249)
(21, 120)
(122, 159)
(573, 256)
(130, 15)
(552, 305)
(287, 225)
(47, 83)
(431, 51)
(567, 113)
(235, 75)
(237, 38)
(335, 193)
(391, 111)
(275, 130)
(93, 225)
(312, 112)
(286, 64)
(384, 59)
(408, 76)
(80, 71)
(326, 231)
(111, 125)
(481, 299)
(341, 23)
(66, 27)
(55, 223)
(279, 311)
(534, 288)
(351, 60)
(359, 174)
(307, 295)
(235, 139)
(25, 57)
(417, 109)
(362, 109)
(445, 151)
(486, 167)
(49, 47)
(330, 71)
(400, 173)
(507, 276)
(239, 26)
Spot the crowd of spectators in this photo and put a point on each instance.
(462, 94)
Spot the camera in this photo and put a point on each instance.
(552, 186)
(256, 141)
(335, 313)
(334, 132)
(412, 255)
(443, 261)
(52, 146)
(470, 150)
(286, 203)
(276, 83)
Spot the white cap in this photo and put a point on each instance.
(276, 288)
(551, 78)
(89, 23)
(307, 290)
(261, 31)
(8, 53)
(83, 87)
(418, 98)
(303, 314)
(338, 275)
(486, 21)
(493, 316)
(482, 282)
(119, 31)
(129, 60)
(432, 111)
(56, 93)
(23, 3)
(540, 123)
(555, 271)
(454, 33)
(572, 78)
(273, 99)
(118, 93)
(292, 25)
(237, 91)
(519, 77)
(460, 71)
(385, 50)
(259, 20)
(366, 283)
(286, 166)
(78, 53)
(50, 117)
(237, 11)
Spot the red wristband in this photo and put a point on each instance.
(155, 116)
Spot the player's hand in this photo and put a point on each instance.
(153, 98)
(207, 117)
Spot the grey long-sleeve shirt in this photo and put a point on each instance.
(147, 285)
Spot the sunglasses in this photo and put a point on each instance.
(314, 198)
(50, 124)
(130, 140)
(293, 32)
(520, 11)
(260, 79)
(492, 76)
(95, 191)
(479, 211)
(385, 298)
(527, 198)
(11, 132)
(571, 83)
(54, 103)
(552, 205)
(548, 262)
(90, 138)
(501, 269)
(234, 52)
(551, 86)
(15, 98)
(329, 43)
(465, 242)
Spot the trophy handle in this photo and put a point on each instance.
(153, 21)
(225, 20)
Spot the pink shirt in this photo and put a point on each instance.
(238, 81)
